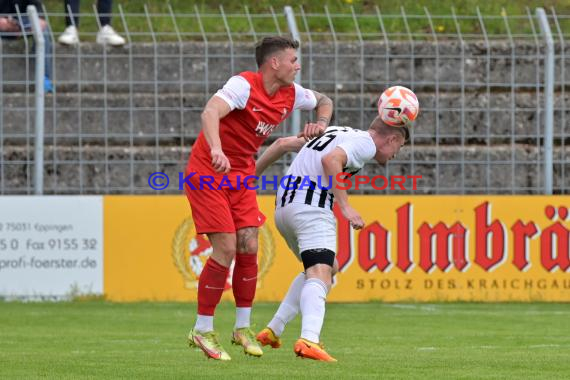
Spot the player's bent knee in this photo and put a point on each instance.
(316, 256)
(224, 256)
(335, 267)
(247, 240)
(249, 246)
(226, 250)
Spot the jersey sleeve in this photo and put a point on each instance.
(235, 92)
(304, 99)
(359, 149)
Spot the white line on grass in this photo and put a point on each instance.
(544, 346)
(427, 348)
(430, 308)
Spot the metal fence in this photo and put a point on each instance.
(118, 114)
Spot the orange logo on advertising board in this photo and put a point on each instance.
(190, 252)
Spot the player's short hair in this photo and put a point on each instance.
(384, 129)
(270, 45)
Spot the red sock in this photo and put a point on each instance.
(211, 286)
(244, 279)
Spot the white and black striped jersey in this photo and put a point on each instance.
(306, 182)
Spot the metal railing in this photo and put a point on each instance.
(489, 86)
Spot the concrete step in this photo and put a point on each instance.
(346, 67)
(118, 118)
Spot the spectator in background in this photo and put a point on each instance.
(11, 26)
(106, 34)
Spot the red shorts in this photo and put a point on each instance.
(222, 209)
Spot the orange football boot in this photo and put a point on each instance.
(268, 338)
(310, 350)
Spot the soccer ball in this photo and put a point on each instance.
(398, 106)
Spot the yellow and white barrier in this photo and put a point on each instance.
(423, 248)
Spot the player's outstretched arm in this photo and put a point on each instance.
(279, 147)
(215, 109)
(333, 162)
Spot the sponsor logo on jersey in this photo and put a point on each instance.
(264, 129)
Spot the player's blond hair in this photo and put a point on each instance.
(384, 129)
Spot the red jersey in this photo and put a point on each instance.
(254, 116)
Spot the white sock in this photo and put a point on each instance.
(204, 323)
(289, 307)
(243, 315)
(313, 298)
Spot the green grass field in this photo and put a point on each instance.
(243, 16)
(147, 340)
